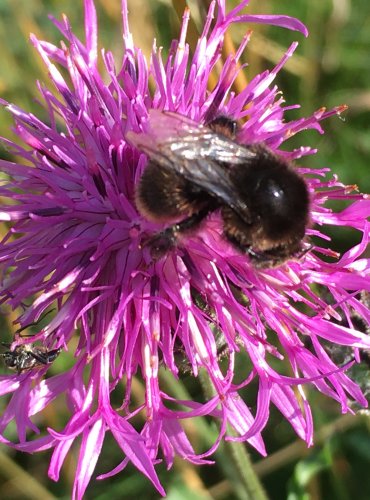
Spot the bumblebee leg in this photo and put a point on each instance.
(276, 256)
(164, 241)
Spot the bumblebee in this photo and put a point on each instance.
(196, 169)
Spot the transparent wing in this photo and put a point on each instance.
(188, 139)
(195, 152)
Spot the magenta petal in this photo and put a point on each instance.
(133, 446)
(114, 471)
(285, 400)
(282, 21)
(92, 442)
(263, 409)
(240, 417)
(39, 444)
(57, 459)
(181, 443)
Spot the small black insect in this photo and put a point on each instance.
(195, 169)
(26, 357)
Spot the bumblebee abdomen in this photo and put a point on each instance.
(163, 195)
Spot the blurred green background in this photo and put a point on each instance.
(331, 67)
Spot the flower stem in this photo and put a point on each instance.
(252, 488)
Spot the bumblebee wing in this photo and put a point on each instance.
(209, 175)
(187, 139)
(194, 152)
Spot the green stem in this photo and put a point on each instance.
(251, 486)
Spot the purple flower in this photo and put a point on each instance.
(76, 247)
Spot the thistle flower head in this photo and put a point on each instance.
(75, 248)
